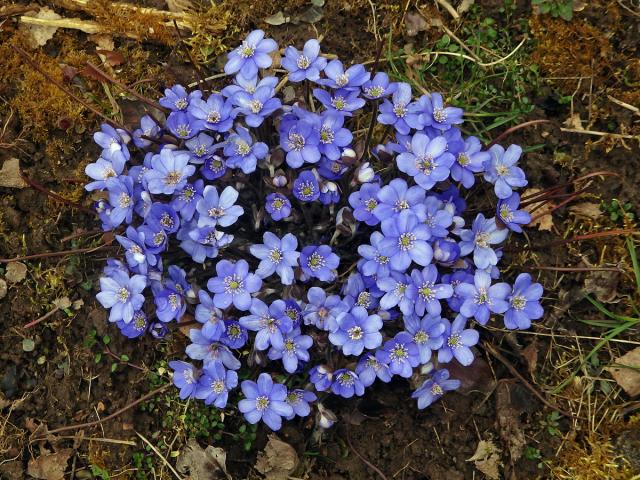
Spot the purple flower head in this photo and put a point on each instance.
(184, 201)
(148, 128)
(428, 162)
(524, 303)
(271, 323)
(399, 291)
(183, 124)
(305, 64)
(113, 143)
(484, 233)
(214, 167)
(379, 86)
(162, 214)
(201, 147)
(427, 292)
(375, 257)
(433, 388)
(361, 291)
(176, 98)
(394, 112)
(235, 335)
(233, 284)
(306, 187)
(340, 102)
(356, 331)
(457, 342)
(503, 172)
(427, 334)
(102, 170)
(321, 377)
(265, 401)
(369, 368)
(438, 116)
(481, 299)
(299, 139)
(322, 311)
(248, 85)
(185, 377)
(508, 213)
(203, 242)
(210, 351)
(333, 137)
(215, 114)
(320, 262)
(251, 55)
(468, 162)
(278, 206)
(401, 354)
(158, 330)
(122, 294)
(121, 200)
(214, 385)
(293, 311)
(170, 296)
(349, 79)
(329, 193)
(331, 169)
(293, 350)
(136, 253)
(454, 279)
(135, 327)
(346, 383)
(299, 401)
(364, 202)
(155, 237)
(242, 153)
(218, 210)
(277, 256)
(210, 316)
(169, 172)
(433, 214)
(446, 251)
(256, 106)
(406, 241)
(396, 197)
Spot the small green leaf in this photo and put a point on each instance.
(106, 339)
(114, 367)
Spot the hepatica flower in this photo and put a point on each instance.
(382, 249)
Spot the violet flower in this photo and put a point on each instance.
(294, 349)
(185, 377)
(320, 262)
(524, 303)
(122, 294)
(251, 55)
(457, 342)
(356, 331)
(428, 162)
(401, 354)
(214, 385)
(264, 401)
(233, 285)
(277, 256)
(501, 170)
(277, 206)
(433, 388)
(304, 65)
(508, 213)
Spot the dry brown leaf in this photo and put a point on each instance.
(603, 284)
(10, 174)
(179, 6)
(545, 222)
(50, 467)
(16, 272)
(3, 288)
(415, 24)
(39, 35)
(627, 375)
(278, 460)
(487, 459)
(530, 354)
(465, 5)
(586, 210)
(509, 424)
(203, 464)
(574, 122)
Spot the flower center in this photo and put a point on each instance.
(173, 177)
(346, 380)
(242, 148)
(139, 321)
(399, 352)
(399, 109)
(262, 403)
(364, 299)
(306, 190)
(158, 238)
(401, 205)
(181, 103)
(355, 333)
(187, 194)
(315, 261)
(123, 295)
(463, 159)
(371, 204)
(436, 390)
(502, 170)
(454, 340)
(173, 301)
(233, 284)
(505, 213)
(183, 130)
(290, 346)
(213, 116)
(277, 204)
(482, 297)
(216, 212)
(247, 50)
(293, 398)
(426, 291)
(406, 241)
(323, 312)
(482, 239)
(338, 103)
(255, 106)
(342, 80)
(400, 289)
(296, 142)
(200, 150)
(439, 115)
(217, 386)
(375, 91)
(373, 363)
(108, 172)
(382, 259)
(518, 302)
(303, 62)
(421, 337)
(425, 164)
(275, 255)
(326, 134)
(124, 200)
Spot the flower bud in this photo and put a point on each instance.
(279, 181)
(325, 418)
(365, 173)
(445, 250)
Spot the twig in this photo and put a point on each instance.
(56, 196)
(601, 134)
(61, 253)
(41, 319)
(588, 236)
(574, 269)
(109, 417)
(164, 460)
(449, 8)
(98, 439)
(367, 462)
(108, 351)
(628, 106)
(509, 131)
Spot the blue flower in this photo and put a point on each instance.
(148, 128)
(155, 237)
(406, 241)
(217, 209)
(468, 162)
(113, 143)
(214, 167)
(400, 354)
(169, 296)
(427, 294)
(235, 335)
(183, 124)
(184, 201)
(251, 55)
(294, 349)
(210, 316)
(306, 187)
(299, 401)
(201, 147)
(215, 114)
(120, 199)
(434, 214)
(508, 213)
(136, 253)
(427, 333)
(305, 65)
(169, 172)
(165, 216)
(375, 257)
(322, 311)
(136, 327)
(369, 368)
(433, 388)
(233, 284)
(248, 85)
(333, 137)
(338, 77)
(346, 383)
(379, 86)
(102, 170)
(343, 101)
(277, 256)
(524, 303)
(457, 342)
(484, 233)
(364, 202)
(502, 171)
(438, 116)
(446, 251)
(300, 141)
(399, 291)
(356, 331)
(214, 385)
(396, 197)
(331, 169)
(242, 153)
(122, 294)
(210, 351)
(319, 262)
(481, 298)
(264, 401)
(257, 106)
(321, 377)
(176, 98)
(185, 377)
(278, 206)
(395, 112)
(271, 323)
(428, 162)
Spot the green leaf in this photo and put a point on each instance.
(98, 357)
(114, 367)
(106, 339)
(124, 358)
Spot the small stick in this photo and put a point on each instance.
(41, 319)
(108, 351)
(574, 269)
(588, 236)
(109, 417)
(367, 462)
(164, 460)
(509, 131)
(54, 195)
(601, 134)
(57, 254)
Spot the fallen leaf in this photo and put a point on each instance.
(586, 210)
(415, 23)
(311, 15)
(464, 6)
(179, 6)
(626, 372)
(574, 121)
(278, 460)
(476, 377)
(530, 355)
(112, 59)
(62, 303)
(487, 459)
(10, 174)
(544, 222)
(202, 464)
(16, 272)
(50, 467)
(186, 324)
(41, 34)
(28, 345)
(603, 284)
(277, 19)
(3, 288)
(509, 424)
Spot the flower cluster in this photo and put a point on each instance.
(257, 224)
